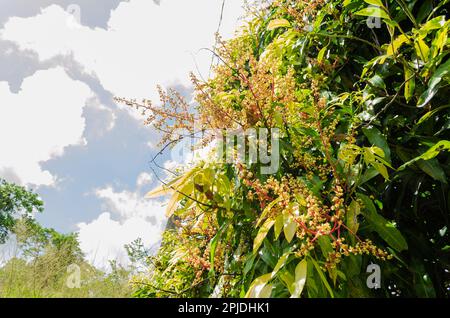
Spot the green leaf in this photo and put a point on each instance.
(429, 154)
(431, 113)
(433, 24)
(213, 244)
(322, 277)
(290, 227)
(424, 10)
(387, 232)
(393, 47)
(267, 210)
(377, 81)
(348, 153)
(300, 278)
(258, 287)
(374, 12)
(278, 23)
(281, 262)
(288, 279)
(262, 233)
(422, 281)
(439, 41)
(381, 169)
(279, 223)
(410, 83)
(374, 156)
(434, 84)
(422, 49)
(375, 2)
(184, 190)
(352, 216)
(171, 186)
(433, 169)
(376, 138)
(325, 245)
(266, 291)
(321, 54)
(249, 263)
(369, 174)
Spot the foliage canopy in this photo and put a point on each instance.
(14, 201)
(364, 120)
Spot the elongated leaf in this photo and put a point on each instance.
(257, 288)
(369, 174)
(264, 229)
(410, 83)
(439, 42)
(288, 279)
(376, 138)
(423, 284)
(381, 169)
(431, 113)
(213, 244)
(300, 278)
(377, 81)
(267, 210)
(278, 23)
(374, 156)
(322, 53)
(434, 84)
(433, 169)
(160, 191)
(325, 245)
(266, 291)
(281, 262)
(422, 49)
(374, 2)
(429, 154)
(375, 12)
(172, 205)
(388, 233)
(322, 277)
(170, 186)
(185, 190)
(433, 24)
(279, 223)
(352, 216)
(290, 227)
(393, 47)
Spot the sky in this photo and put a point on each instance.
(61, 133)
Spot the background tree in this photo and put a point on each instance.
(42, 256)
(41, 267)
(15, 201)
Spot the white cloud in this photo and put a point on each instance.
(144, 45)
(143, 179)
(128, 216)
(104, 238)
(38, 122)
(126, 204)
